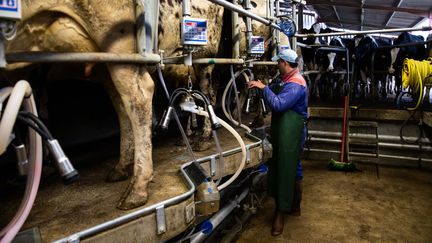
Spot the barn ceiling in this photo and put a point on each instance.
(371, 14)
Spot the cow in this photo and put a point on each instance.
(366, 48)
(314, 60)
(337, 61)
(429, 46)
(398, 55)
(95, 26)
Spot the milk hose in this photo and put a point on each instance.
(22, 89)
(224, 99)
(185, 139)
(242, 145)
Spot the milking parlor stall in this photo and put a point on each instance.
(132, 121)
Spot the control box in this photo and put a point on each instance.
(10, 9)
(256, 45)
(194, 31)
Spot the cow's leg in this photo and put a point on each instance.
(364, 82)
(317, 84)
(341, 86)
(375, 87)
(204, 77)
(135, 88)
(384, 86)
(427, 96)
(122, 169)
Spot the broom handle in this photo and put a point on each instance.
(344, 130)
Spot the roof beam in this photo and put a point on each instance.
(420, 12)
(337, 16)
(392, 14)
(350, 23)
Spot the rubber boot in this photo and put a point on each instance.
(298, 190)
(278, 223)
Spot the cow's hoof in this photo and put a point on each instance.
(115, 176)
(257, 122)
(201, 145)
(180, 142)
(133, 200)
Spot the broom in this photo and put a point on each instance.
(342, 166)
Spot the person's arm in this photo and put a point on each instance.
(285, 100)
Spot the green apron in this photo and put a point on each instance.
(286, 130)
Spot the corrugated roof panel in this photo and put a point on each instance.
(377, 14)
(404, 19)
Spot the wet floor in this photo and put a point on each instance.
(354, 207)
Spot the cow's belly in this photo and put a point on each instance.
(60, 34)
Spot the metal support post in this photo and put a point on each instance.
(235, 34)
(294, 18)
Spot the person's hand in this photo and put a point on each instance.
(256, 84)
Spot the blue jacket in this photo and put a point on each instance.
(293, 96)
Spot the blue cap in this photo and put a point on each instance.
(287, 55)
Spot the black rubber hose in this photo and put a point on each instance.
(31, 124)
(206, 99)
(403, 126)
(37, 120)
(175, 95)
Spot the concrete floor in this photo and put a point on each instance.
(354, 207)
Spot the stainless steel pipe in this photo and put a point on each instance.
(381, 144)
(427, 28)
(241, 11)
(220, 216)
(179, 60)
(69, 57)
(381, 138)
(145, 211)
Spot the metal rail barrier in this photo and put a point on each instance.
(152, 209)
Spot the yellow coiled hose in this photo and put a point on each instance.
(414, 73)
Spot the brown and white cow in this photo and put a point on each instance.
(95, 26)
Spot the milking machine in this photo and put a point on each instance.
(10, 12)
(20, 107)
(209, 192)
(210, 184)
(31, 165)
(255, 50)
(21, 93)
